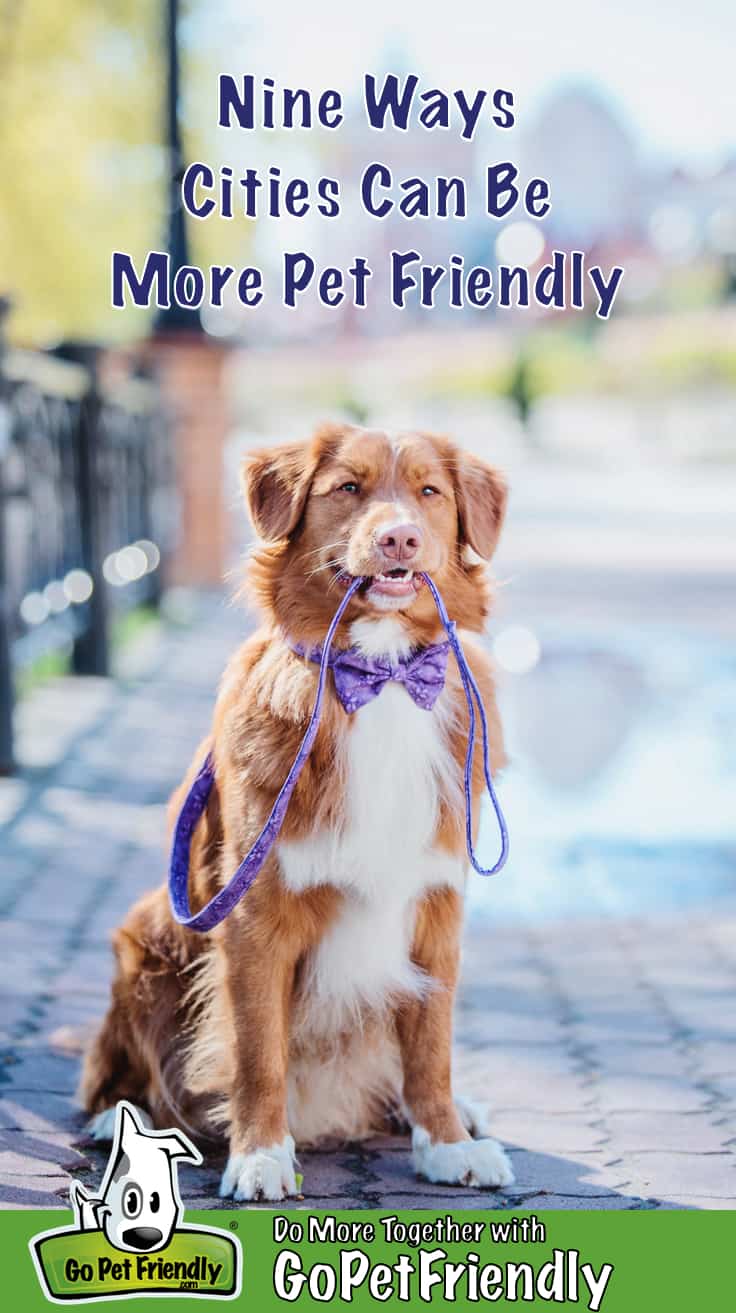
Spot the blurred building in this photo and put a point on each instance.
(581, 146)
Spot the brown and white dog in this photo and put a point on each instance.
(324, 1002)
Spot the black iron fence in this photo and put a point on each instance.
(87, 511)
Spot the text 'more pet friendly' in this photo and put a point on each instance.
(318, 1006)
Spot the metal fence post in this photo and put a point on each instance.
(91, 654)
(6, 677)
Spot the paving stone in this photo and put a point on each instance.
(39, 1070)
(712, 1013)
(510, 1083)
(330, 1204)
(701, 1202)
(651, 1062)
(712, 1175)
(44, 1158)
(85, 972)
(631, 1132)
(198, 1181)
(42, 908)
(71, 1009)
(632, 1092)
(13, 793)
(38, 1110)
(329, 1174)
(564, 1133)
(583, 1175)
(34, 1192)
(638, 1025)
(726, 1087)
(483, 1200)
(717, 1057)
(391, 1172)
(601, 1203)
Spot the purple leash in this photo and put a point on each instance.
(195, 802)
(472, 691)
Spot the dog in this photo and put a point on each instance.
(138, 1205)
(321, 1008)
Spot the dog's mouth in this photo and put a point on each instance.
(398, 582)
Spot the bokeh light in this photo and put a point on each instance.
(517, 649)
(520, 243)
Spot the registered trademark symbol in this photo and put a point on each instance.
(233, 1225)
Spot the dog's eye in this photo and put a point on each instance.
(154, 1202)
(350, 487)
(429, 491)
(132, 1201)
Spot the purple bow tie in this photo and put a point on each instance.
(359, 679)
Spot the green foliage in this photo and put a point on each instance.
(82, 161)
(52, 665)
(78, 158)
(556, 360)
(129, 625)
(57, 662)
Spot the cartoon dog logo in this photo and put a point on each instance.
(138, 1205)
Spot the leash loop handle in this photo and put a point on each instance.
(472, 694)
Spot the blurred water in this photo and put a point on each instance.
(621, 795)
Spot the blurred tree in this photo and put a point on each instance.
(82, 161)
(79, 160)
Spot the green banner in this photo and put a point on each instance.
(82, 1265)
(620, 1262)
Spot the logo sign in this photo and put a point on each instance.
(129, 1239)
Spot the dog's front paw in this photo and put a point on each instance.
(261, 1174)
(475, 1117)
(466, 1162)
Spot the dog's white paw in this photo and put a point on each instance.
(102, 1125)
(466, 1162)
(262, 1174)
(475, 1117)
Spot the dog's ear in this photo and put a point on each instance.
(276, 482)
(178, 1145)
(481, 493)
(130, 1126)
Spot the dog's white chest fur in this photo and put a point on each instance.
(398, 764)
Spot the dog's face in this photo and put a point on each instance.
(140, 1205)
(354, 502)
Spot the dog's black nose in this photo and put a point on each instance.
(142, 1237)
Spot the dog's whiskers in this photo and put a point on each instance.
(321, 569)
(326, 547)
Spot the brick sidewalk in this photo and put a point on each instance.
(605, 1049)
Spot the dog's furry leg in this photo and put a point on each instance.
(441, 1146)
(259, 984)
(263, 942)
